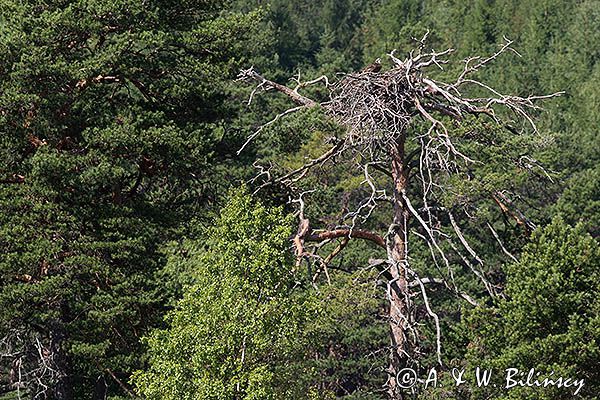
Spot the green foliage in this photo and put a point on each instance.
(345, 355)
(248, 327)
(322, 34)
(550, 320)
(119, 124)
(111, 132)
(580, 201)
(238, 328)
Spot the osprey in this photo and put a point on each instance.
(375, 67)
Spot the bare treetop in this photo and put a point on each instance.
(378, 105)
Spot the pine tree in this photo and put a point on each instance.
(110, 124)
(550, 319)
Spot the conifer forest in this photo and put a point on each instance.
(307, 199)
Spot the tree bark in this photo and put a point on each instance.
(396, 252)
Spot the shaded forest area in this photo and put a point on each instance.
(160, 238)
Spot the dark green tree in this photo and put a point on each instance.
(549, 321)
(111, 136)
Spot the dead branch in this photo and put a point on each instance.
(119, 382)
(15, 178)
(346, 233)
(264, 84)
(497, 237)
(30, 361)
(324, 263)
(508, 208)
(438, 281)
(317, 161)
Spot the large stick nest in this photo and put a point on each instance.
(374, 105)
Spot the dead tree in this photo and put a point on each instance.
(35, 365)
(381, 109)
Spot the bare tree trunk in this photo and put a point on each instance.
(397, 286)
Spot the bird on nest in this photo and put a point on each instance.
(374, 67)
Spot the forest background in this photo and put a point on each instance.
(139, 259)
